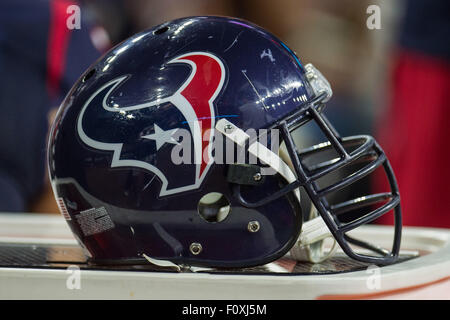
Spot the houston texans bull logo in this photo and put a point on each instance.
(194, 99)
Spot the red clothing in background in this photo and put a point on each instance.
(415, 135)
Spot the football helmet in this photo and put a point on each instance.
(149, 153)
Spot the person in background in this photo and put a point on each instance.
(40, 59)
(415, 130)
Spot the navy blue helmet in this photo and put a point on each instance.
(165, 151)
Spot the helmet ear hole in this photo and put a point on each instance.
(214, 207)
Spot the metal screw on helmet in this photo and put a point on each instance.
(195, 248)
(310, 72)
(257, 176)
(229, 128)
(253, 226)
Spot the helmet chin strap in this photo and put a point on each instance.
(310, 244)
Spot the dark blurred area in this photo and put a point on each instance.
(390, 82)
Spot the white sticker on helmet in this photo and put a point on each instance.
(95, 220)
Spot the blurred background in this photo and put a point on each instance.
(391, 82)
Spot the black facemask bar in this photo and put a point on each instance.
(366, 149)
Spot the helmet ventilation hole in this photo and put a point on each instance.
(214, 207)
(89, 75)
(160, 31)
